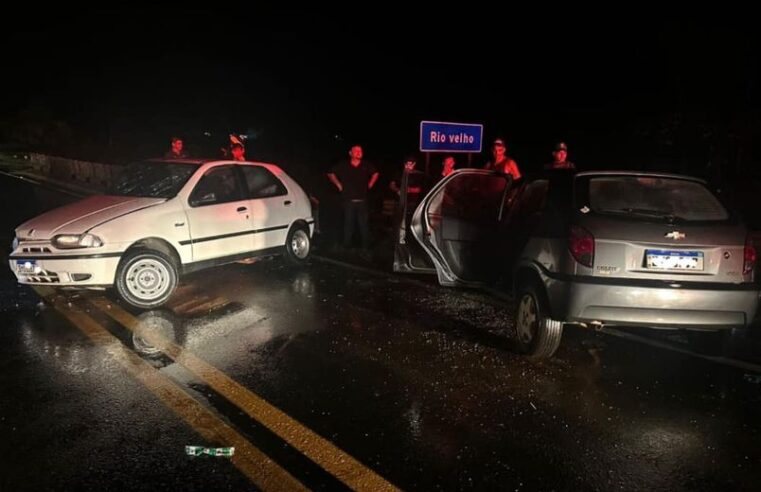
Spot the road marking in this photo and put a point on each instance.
(318, 449)
(254, 464)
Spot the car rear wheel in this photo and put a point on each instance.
(146, 279)
(538, 335)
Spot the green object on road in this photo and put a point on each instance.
(199, 450)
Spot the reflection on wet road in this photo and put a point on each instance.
(416, 385)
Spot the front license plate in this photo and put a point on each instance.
(26, 267)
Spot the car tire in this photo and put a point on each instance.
(146, 278)
(298, 245)
(538, 336)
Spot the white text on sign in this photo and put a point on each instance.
(440, 137)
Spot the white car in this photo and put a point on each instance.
(164, 218)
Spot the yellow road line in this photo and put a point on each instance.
(206, 307)
(318, 449)
(188, 305)
(258, 467)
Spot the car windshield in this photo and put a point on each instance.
(152, 179)
(654, 197)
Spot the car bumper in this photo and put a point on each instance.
(62, 272)
(704, 307)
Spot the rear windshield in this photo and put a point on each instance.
(654, 197)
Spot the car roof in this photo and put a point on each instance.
(196, 162)
(650, 174)
(199, 162)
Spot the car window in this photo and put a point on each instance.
(261, 183)
(218, 185)
(654, 197)
(533, 198)
(470, 197)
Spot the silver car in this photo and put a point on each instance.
(593, 249)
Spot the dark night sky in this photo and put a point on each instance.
(300, 78)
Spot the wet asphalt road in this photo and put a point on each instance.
(415, 382)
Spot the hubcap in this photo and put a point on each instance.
(147, 279)
(300, 244)
(527, 318)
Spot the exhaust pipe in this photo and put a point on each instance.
(594, 325)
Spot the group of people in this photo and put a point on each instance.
(501, 162)
(354, 178)
(236, 150)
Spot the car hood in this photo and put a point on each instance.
(81, 216)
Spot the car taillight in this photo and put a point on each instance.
(582, 245)
(750, 256)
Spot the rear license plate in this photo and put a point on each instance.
(26, 267)
(657, 259)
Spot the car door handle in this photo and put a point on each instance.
(287, 202)
(242, 209)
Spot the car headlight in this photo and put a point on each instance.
(73, 241)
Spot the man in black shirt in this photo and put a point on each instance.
(560, 158)
(353, 178)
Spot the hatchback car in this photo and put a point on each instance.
(593, 249)
(161, 219)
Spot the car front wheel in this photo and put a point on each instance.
(298, 245)
(146, 278)
(538, 335)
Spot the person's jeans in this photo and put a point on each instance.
(355, 213)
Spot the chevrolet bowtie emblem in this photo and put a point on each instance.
(675, 235)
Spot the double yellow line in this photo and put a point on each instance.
(259, 468)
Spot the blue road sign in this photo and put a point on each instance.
(441, 136)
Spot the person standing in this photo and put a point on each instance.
(353, 178)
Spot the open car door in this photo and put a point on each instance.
(459, 224)
(409, 256)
